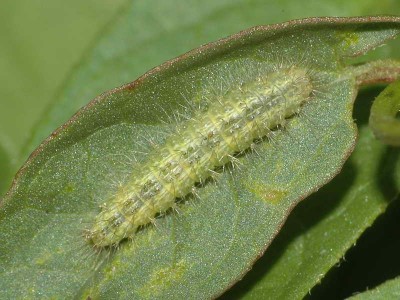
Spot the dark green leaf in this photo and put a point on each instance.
(388, 290)
(383, 120)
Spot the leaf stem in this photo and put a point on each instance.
(379, 71)
(383, 118)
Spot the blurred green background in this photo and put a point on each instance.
(41, 42)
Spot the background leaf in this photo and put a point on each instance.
(6, 165)
(388, 290)
(383, 120)
(41, 43)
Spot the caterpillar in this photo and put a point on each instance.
(210, 139)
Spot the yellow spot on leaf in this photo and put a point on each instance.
(349, 39)
(163, 278)
(266, 193)
(44, 258)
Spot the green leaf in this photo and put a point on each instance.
(214, 240)
(384, 111)
(388, 290)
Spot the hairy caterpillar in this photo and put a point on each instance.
(210, 139)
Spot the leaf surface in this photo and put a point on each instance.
(388, 290)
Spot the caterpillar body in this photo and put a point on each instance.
(208, 140)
